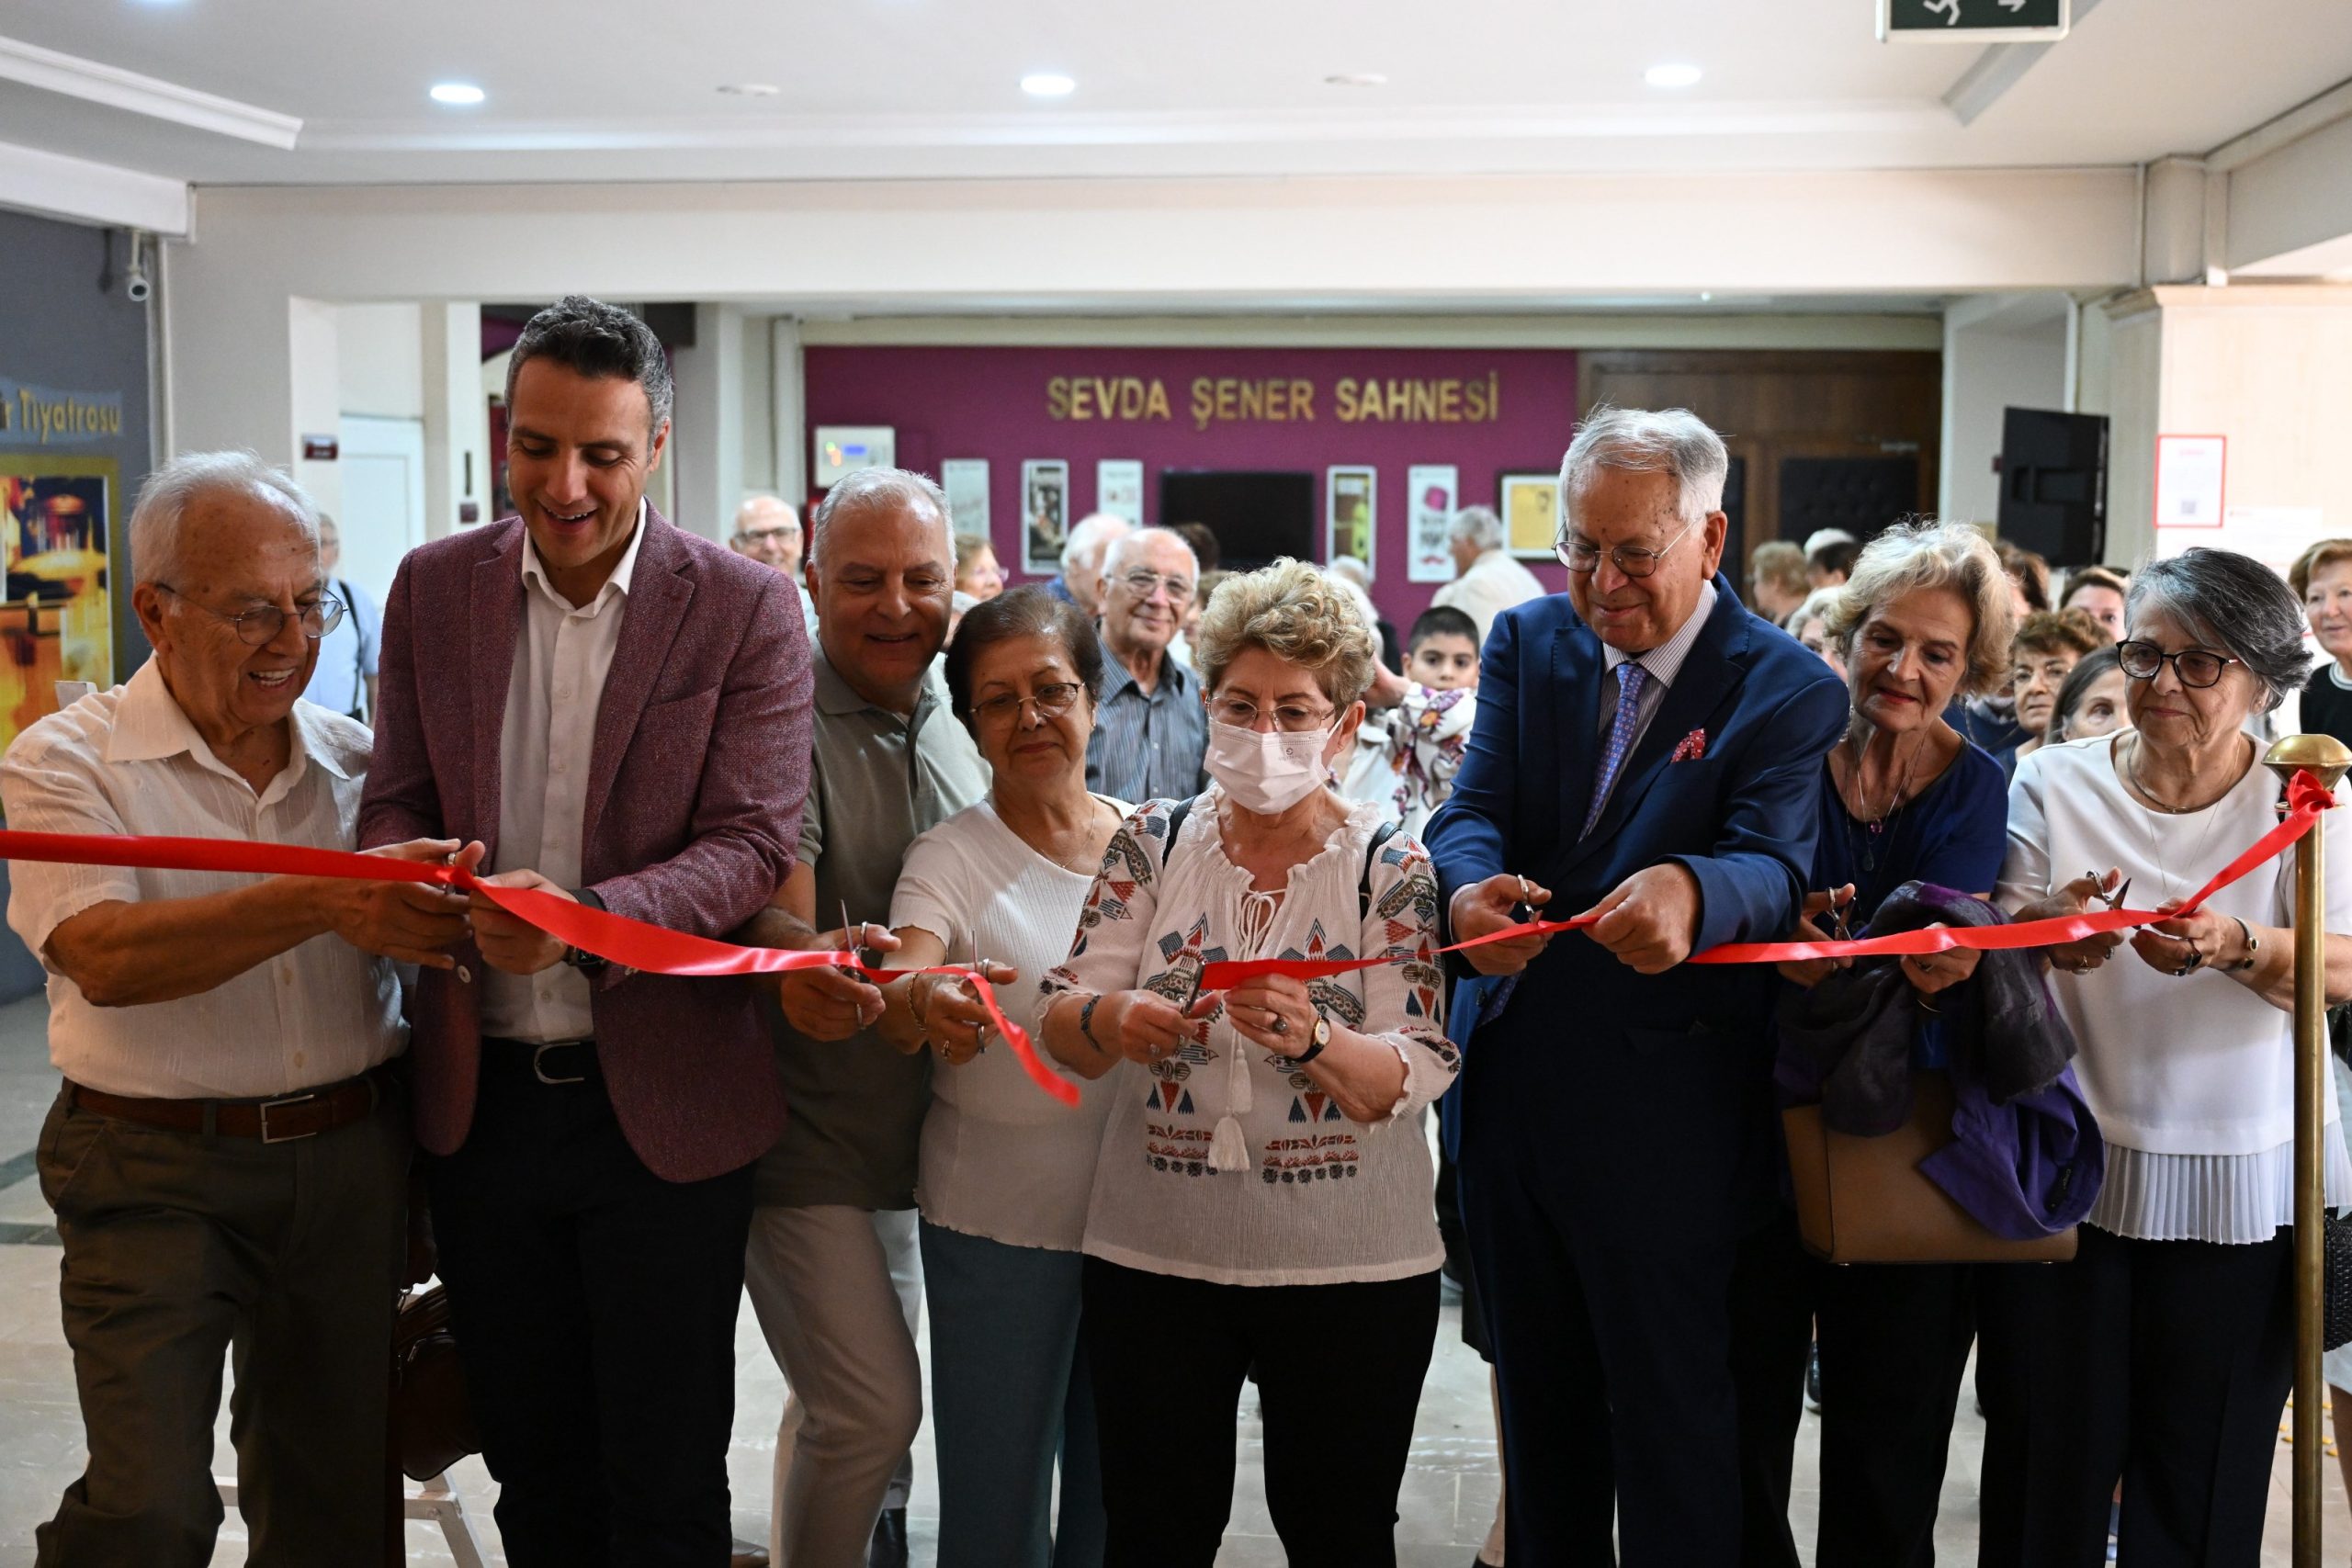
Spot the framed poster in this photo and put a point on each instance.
(2191, 471)
(965, 480)
(1118, 487)
(58, 517)
(1429, 491)
(1351, 514)
(1530, 504)
(1045, 514)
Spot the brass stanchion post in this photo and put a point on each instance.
(2326, 759)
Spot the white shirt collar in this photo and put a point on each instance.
(535, 571)
(150, 726)
(1664, 662)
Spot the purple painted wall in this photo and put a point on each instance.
(993, 404)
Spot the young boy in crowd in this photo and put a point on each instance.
(1406, 757)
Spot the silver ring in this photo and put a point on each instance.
(1281, 1024)
(1153, 1051)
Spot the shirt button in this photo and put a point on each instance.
(284, 979)
(557, 766)
(547, 996)
(300, 1058)
(563, 694)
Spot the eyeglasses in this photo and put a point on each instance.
(1578, 554)
(762, 535)
(261, 625)
(1294, 718)
(1142, 583)
(1051, 701)
(2143, 660)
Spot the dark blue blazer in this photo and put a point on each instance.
(1594, 1070)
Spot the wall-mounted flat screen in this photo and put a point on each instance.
(1255, 516)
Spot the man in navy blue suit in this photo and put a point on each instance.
(1647, 750)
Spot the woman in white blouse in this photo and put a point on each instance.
(2162, 1355)
(1003, 1170)
(1263, 1194)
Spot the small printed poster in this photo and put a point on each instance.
(57, 514)
(1530, 509)
(1045, 514)
(1429, 491)
(1351, 514)
(965, 480)
(2189, 480)
(1118, 487)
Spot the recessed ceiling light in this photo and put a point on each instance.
(1672, 75)
(1356, 79)
(751, 89)
(456, 93)
(1046, 84)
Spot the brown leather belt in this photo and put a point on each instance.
(281, 1121)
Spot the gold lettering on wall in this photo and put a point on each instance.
(1278, 400)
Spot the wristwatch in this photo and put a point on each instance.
(586, 963)
(1321, 1037)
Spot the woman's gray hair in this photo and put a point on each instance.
(1650, 441)
(863, 488)
(1479, 525)
(2233, 604)
(1921, 554)
(165, 499)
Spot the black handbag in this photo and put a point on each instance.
(433, 1425)
(2336, 1282)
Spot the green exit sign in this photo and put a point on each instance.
(1971, 21)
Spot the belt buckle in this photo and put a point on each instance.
(266, 1106)
(540, 1051)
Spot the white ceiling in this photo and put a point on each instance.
(626, 89)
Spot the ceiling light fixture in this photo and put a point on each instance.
(1047, 85)
(458, 93)
(1672, 75)
(1356, 79)
(751, 89)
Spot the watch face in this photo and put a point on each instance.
(1322, 1032)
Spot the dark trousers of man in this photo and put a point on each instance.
(1894, 1341)
(182, 1250)
(2164, 1363)
(1339, 1370)
(594, 1307)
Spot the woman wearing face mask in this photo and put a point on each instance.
(1263, 1197)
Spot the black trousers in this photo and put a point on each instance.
(595, 1308)
(1339, 1370)
(2162, 1363)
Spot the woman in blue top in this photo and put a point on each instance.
(1925, 618)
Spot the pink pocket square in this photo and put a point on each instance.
(1693, 745)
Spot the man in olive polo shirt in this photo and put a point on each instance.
(832, 1267)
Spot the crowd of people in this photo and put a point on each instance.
(286, 1097)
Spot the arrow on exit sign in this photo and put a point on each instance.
(1971, 21)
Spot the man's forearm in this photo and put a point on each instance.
(777, 927)
(127, 955)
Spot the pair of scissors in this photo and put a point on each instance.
(2113, 900)
(979, 1031)
(1839, 930)
(850, 944)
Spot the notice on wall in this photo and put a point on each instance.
(965, 480)
(1351, 514)
(1118, 487)
(1430, 490)
(2191, 471)
(1045, 514)
(55, 515)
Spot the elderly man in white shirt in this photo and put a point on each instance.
(227, 1157)
(1487, 579)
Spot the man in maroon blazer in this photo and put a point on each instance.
(618, 712)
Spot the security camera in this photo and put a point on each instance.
(135, 286)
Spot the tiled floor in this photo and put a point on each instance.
(1448, 1494)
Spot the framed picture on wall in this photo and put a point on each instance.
(965, 480)
(1351, 513)
(1530, 504)
(1429, 492)
(59, 518)
(1045, 514)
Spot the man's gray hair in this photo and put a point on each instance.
(1351, 568)
(1649, 441)
(1924, 553)
(1134, 539)
(2233, 604)
(1479, 525)
(864, 487)
(1091, 528)
(165, 499)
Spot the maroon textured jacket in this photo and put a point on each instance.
(697, 774)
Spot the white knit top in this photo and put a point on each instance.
(1318, 1199)
(998, 1158)
(2191, 1078)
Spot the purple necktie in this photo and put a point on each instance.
(1631, 678)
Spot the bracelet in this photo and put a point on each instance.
(916, 1007)
(1086, 1023)
(2253, 946)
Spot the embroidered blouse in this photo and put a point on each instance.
(1321, 1200)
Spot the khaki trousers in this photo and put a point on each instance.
(181, 1251)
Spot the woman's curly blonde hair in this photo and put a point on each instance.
(1296, 613)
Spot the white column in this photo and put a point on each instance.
(314, 384)
(789, 406)
(706, 425)
(2001, 351)
(456, 418)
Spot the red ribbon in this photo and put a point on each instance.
(615, 937)
(2306, 798)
